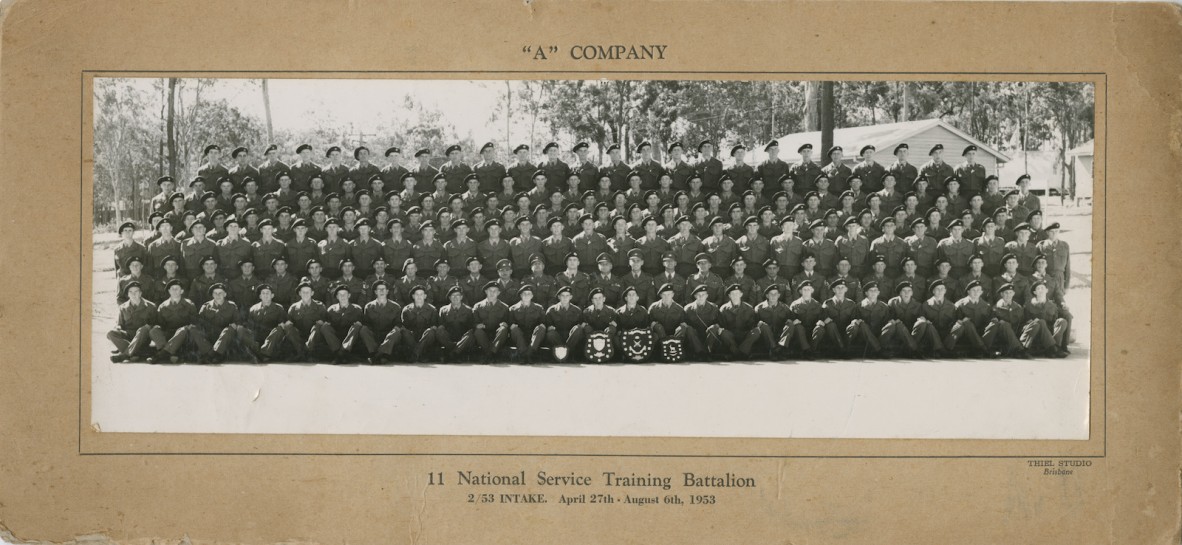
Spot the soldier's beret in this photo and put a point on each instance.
(339, 288)
(405, 176)
(421, 152)
(619, 218)
(347, 260)
(1013, 193)
(737, 147)
(804, 147)
(258, 290)
(613, 147)
(698, 206)
(552, 221)
(750, 219)
(524, 288)
(771, 144)
(646, 220)
(1053, 226)
(174, 282)
(991, 177)
(269, 223)
(332, 221)
(331, 150)
(133, 259)
(126, 225)
(1032, 213)
(635, 252)
(357, 151)
(178, 195)
(452, 148)
(682, 218)
(409, 261)
(377, 283)
(725, 178)
(270, 197)
(716, 221)
(674, 144)
(668, 255)
(935, 148)
(733, 287)
(889, 220)
(951, 179)
(417, 288)
(1022, 178)
(487, 146)
(233, 220)
(519, 221)
(571, 255)
(972, 284)
(643, 144)
(816, 223)
(278, 259)
(546, 148)
(987, 221)
(955, 223)
(919, 221)
(870, 285)
(603, 256)
(491, 285)
(904, 284)
(804, 284)
(665, 287)
(935, 284)
(472, 260)
(968, 148)
(215, 287)
(316, 177)
(854, 178)
(437, 178)
(475, 211)
(865, 148)
(850, 220)
(299, 222)
(877, 258)
(799, 207)
(837, 282)
(975, 257)
(392, 149)
(587, 217)
(163, 179)
(210, 148)
(942, 261)
(302, 147)
(520, 147)
(168, 258)
(703, 257)
(454, 290)
(901, 147)
(563, 290)
(332, 196)
(833, 149)
(1036, 284)
(747, 193)
(536, 258)
(704, 143)
(1004, 288)
(701, 288)
(363, 222)
(595, 291)
(770, 288)
(311, 262)
(459, 223)
(821, 178)
(601, 205)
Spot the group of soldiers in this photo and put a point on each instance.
(309, 262)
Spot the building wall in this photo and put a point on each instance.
(921, 143)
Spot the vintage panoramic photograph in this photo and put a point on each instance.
(711, 258)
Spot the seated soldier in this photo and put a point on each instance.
(177, 318)
(632, 315)
(282, 282)
(216, 320)
(909, 323)
(491, 317)
(808, 327)
(739, 326)
(381, 319)
(1048, 325)
(454, 331)
(667, 315)
(342, 324)
(135, 267)
(715, 289)
(137, 316)
(527, 325)
(264, 321)
(775, 319)
(545, 286)
(1010, 318)
(304, 317)
(702, 316)
(419, 319)
(380, 274)
(975, 321)
(840, 318)
(564, 322)
(942, 316)
(873, 316)
(598, 317)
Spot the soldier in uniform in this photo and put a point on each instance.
(942, 316)
(1049, 325)
(936, 170)
(333, 249)
(201, 284)
(527, 325)
(836, 171)
(807, 327)
(703, 319)
(740, 172)
(132, 333)
(715, 289)
(342, 325)
(303, 170)
(774, 318)
(217, 319)
(708, 167)
(869, 170)
(975, 321)
(491, 319)
(874, 317)
(667, 315)
(522, 170)
(242, 290)
(556, 170)
(304, 318)
(1010, 319)
(909, 322)
(773, 168)
(161, 202)
(335, 171)
(456, 322)
(971, 173)
(212, 168)
(1058, 255)
(300, 248)
(454, 170)
(1026, 199)
(418, 320)
(678, 170)
(839, 318)
(176, 319)
(393, 172)
(905, 173)
(264, 320)
(636, 278)
(127, 248)
(739, 326)
(650, 171)
(805, 172)
(564, 321)
(135, 273)
(956, 249)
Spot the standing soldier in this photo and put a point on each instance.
(364, 249)
(616, 170)
(556, 170)
(333, 249)
(650, 171)
(212, 168)
(270, 168)
(869, 170)
(176, 319)
(364, 170)
(132, 333)
(893, 249)
(241, 171)
(164, 245)
(522, 169)
(740, 172)
(1058, 255)
(304, 169)
(216, 320)
(821, 248)
(1026, 199)
(677, 168)
(720, 245)
(283, 283)
(1023, 248)
(852, 246)
(956, 249)
(423, 173)
(905, 173)
(335, 171)
(161, 201)
(587, 172)
(921, 247)
(990, 247)
(805, 172)
(772, 169)
(708, 167)
(971, 173)
(488, 171)
(936, 170)
(127, 248)
(393, 171)
(836, 170)
(739, 326)
(263, 252)
(300, 248)
(455, 170)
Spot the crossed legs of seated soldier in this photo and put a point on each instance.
(380, 351)
(860, 339)
(171, 345)
(131, 344)
(896, 336)
(265, 352)
(802, 341)
(528, 342)
(491, 342)
(965, 333)
(1007, 341)
(342, 347)
(741, 344)
(704, 342)
(453, 348)
(570, 339)
(306, 345)
(217, 351)
(1046, 340)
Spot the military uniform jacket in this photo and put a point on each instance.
(555, 249)
(556, 172)
(670, 317)
(837, 173)
(357, 288)
(936, 173)
(875, 314)
(333, 176)
(745, 283)
(788, 252)
(455, 173)
(650, 173)
(643, 282)
(629, 318)
(972, 178)
(133, 316)
(213, 318)
(544, 286)
(521, 249)
(563, 319)
(713, 283)
(599, 318)
(490, 174)
(342, 317)
(1058, 257)
(392, 175)
(157, 250)
(212, 173)
(923, 250)
(853, 285)
(491, 313)
(1022, 284)
(299, 252)
(893, 249)
(855, 250)
(1046, 311)
(1025, 254)
(906, 311)
(173, 315)
(770, 172)
(283, 288)
(579, 283)
(364, 251)
(919, 286)
(265, 251)
(125, 251)
(825, 251)
(1012, 313)
(755, 249)
(979, 312)
(805, 176)
(199, 287)
(527, 317)
(710, 170)
(651, 249)
(147, 287)
(841, 312)
(332, 252)
(302, 174)
(242, 291)
(680, 172)
(589, 246)
(457, 320)
(262, 319)
(905, 175)
(610, 285)
(775, 316)
(320, 286)
(523, 174)
(473, 288)
(400, 288)
(678, 283)
(785, 285)
(361, 174)
(304, 316)
(808, 312)
(941, 314)
(871, 174)
(737, 318)
(418, 319)
(741, 174)
(820, 288)
(239, 173)
(957, 252)
(702, 315)
(722, 248)
(618, 247)
(426, 254)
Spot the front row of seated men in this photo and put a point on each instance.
(384, 331)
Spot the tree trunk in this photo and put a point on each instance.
(267, 106)
(812, 107)
(906, 101)
(508, 113)
(171, 129)
(826, 120)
